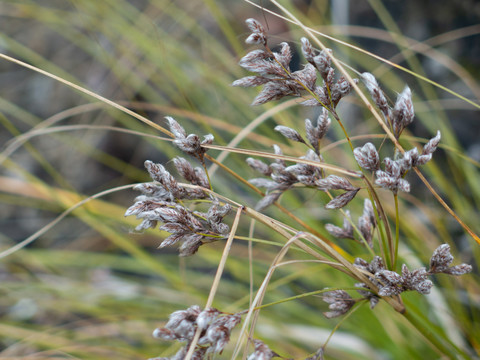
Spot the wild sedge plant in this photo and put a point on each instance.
(338, 242)
(176, 208)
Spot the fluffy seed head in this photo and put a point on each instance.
(346, 232)
(428, 150)
(177, 130)
(403, 112)
(322, 62)
(258, 35)
(367, 157)
(340, 302)
(376, 93)
(441, 260)
(259, 166)
(342, 200)
(334, 182)
(307, 50)
(289, 133)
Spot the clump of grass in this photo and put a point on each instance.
(334, 219)
(205, 332)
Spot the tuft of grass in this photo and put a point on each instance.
(86, 88)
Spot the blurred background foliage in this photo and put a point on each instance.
(89, 288)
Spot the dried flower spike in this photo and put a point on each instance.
(259, 166)
(289, 133)
(340, 89)
(377, 94)
(218, 332)
(373, 267)
(258, 35)
(342, 200)
(403, 112)
(189, 144)
(369, 212)
(307, 49)
(394, 284)
(365, 226)
(391, 178)
(316, 133)
(428, 150)
(334, 182)
(367, 157)
(367, 222)
(321, 61)
(182, 326)
(305, 173)
(391, 283)
(416, 280)
(195, 176)
(441, 260)
(340, 302)
(345, 232)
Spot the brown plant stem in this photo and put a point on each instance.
(216, 281)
